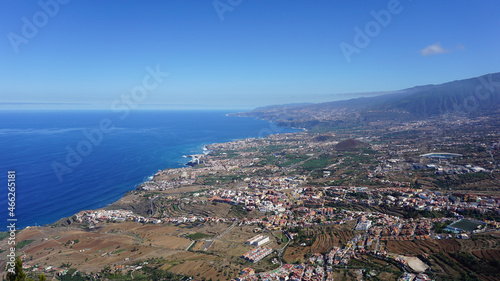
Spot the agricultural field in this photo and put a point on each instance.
(112, 244)
(454, 257)
(323, 240)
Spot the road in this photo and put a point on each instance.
(153, 205)
(280, 252)
(227, 230)
(208, 243)
(377, 246)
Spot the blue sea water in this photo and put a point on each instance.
(39, 145)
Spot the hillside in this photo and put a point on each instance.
(474, 96)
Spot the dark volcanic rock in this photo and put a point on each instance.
(350, 144)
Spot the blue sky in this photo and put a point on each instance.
(253, 53)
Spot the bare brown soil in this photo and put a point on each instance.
(295, 254)
(417, 247)
(487, 254)
(326, 239)
(89, 250)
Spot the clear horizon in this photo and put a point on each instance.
(237, 54)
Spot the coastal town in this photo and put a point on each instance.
(240, 140)
(300, 206)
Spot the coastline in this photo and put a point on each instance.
(60, 221)
(204, 151)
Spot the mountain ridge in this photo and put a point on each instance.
(477, 95)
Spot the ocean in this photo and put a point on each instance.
(68, 161)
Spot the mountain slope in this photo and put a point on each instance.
(480, 95)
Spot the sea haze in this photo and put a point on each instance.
(138, 146)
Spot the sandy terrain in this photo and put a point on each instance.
(415, 263)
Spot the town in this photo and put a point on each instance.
(303, 206)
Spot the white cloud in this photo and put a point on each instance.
(434, 49)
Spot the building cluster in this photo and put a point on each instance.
(444, 167)
(310, 272)
(64, 270)
(263, 200)
(94, 217)
(257, 254)
(303, 207)
(258, 240)
(275, 183)
(414, 277)
(239, 145)
(170, 178)
(165, 185)
(418, 199)
(280, 205)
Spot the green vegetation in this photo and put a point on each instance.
(412, 213)
(466, 260)
(158, 274)
(450, 181)
(71, 242)
(4, 235)
(72, 275)
(68, 265)
(292, 159)
(192, 246)
(283, 238)
(304, 236)
(20, 275)
(439, 226)
(358, 195)
(213, 180)
(198, 236)
(467, 225)
(320, 162)
(23, 243)
(272, 148)
(238, 211)
(119, 251)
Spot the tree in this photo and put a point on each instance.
(18, 274)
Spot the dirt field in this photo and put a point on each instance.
(186, 188)
(490, 255)
(229, 249)
(325, 242)
(194, 264)
(326, 238)
(203, 265)
(387, 276)
(417, 247)
(213, 229)
(129, 242)
(329, 237)
(415, 263)
(241, 234)
(453, 258)
(89, 250)
(295, 254)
